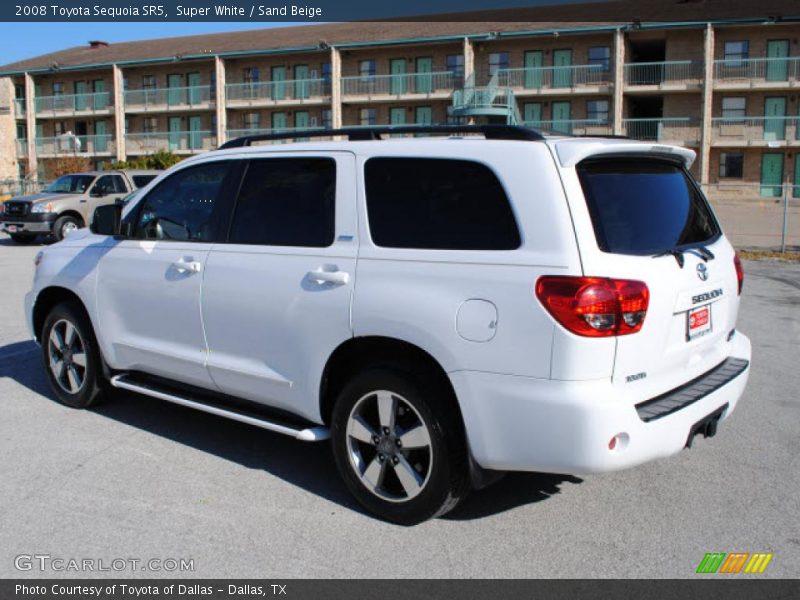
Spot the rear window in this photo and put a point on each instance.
(438, 204)
(142, 180)
(640, 206)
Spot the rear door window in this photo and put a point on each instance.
(438, 204)
(642, 206)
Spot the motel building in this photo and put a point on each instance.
(729, 89)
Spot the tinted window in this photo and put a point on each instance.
(109, 184)
(286, 202)
(438, 204)
(142, 180)
(181, 206)
(644, 206)
(70, 184)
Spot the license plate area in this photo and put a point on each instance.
(11, 228)
(698, 322)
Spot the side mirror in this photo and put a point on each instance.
(107, 220)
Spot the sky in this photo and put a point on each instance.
(50, 37)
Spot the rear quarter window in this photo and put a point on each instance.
(438, 204)
(643, 206)
(142, 180)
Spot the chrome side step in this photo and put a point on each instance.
(308, 434)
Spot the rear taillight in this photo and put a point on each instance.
(595, 306)
(739, 271)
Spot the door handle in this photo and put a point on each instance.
(187, 266)
(334, 277)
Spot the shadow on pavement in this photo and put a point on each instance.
(306, 465)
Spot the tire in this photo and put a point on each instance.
(76, 382)
(63, 225)
(23, 238)
(409, 484)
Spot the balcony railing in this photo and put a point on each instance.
(535, 78)
(572, 126)
(19, 107)
(174, 141)
(165, 98)
(678, 130)
(70, 103)
(22, 147)
(232, 134)
(401, 84)
(750, 130)
(68, 145)
(749, 70)
(665, 72)
(278, 91)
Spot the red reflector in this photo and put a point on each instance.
(595, 306)
(613, 443)
(739, 271)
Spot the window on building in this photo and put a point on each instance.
(22, 131)
(251, 75)
(150, 124)
(326, 72)
(367, 116)
(148, 82)
(251, 120)
(181, 206)
(59, 128)
(19, 91)
(733, 108)
(438, 204)
(597, 110)
(286, 202)
(327, 118)
(366, 68)
(127, 124)
(125, 82)
(731, 164)
(497, 61)
(58, 88)
(455, 64)
(737, 52)
(600, 55)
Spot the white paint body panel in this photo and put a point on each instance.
(533, 396)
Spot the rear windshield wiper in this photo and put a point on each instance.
(704, 253)
(678, 254)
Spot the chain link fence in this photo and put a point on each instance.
(18, 187)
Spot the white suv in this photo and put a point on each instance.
(443, 308)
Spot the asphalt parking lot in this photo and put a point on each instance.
(138, 478)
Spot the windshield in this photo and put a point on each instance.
(70, 184)
(643, 206)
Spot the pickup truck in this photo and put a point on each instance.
(68, 203)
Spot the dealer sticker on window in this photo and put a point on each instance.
(698, 322)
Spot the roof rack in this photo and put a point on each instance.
(360, 134)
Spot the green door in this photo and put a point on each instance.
(100, 136)
(195, 133)
(174, 133)
(279, 121)
(100, 96)
(777, 66)
(423, 115)
(174, 92)
(532, 114)
(775, 119)
(397, 83)
(562, 71)
(796, 192)
(397, 116)
(301, 81)
(81, 100)
(193, 83)
(533, 69)
(301, 119)
(39, 136)
(278, 83)
(423, 82)
(771, 174)
(561, 117)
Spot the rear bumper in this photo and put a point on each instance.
(524, 424)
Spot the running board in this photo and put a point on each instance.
(308, 434)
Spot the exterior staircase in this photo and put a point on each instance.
(491, 102)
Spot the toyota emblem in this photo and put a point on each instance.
(702, 271)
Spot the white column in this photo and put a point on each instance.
(221, 101)
(30, 125)
(469, 58)
(336, 88)
(118, 99)
(619, 82)
(708, 106)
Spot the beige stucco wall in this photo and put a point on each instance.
(8, 131)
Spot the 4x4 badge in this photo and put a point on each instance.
(702, 271)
